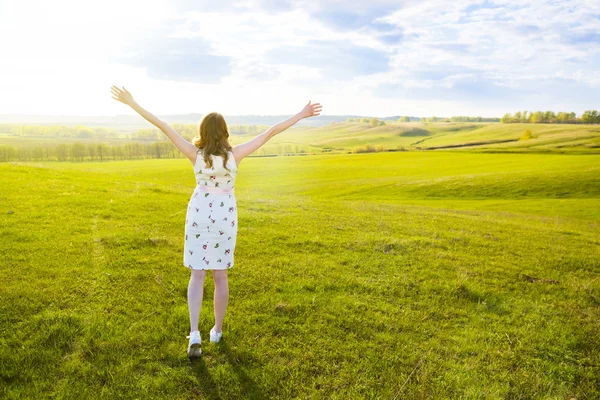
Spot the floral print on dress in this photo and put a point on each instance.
(211, 245)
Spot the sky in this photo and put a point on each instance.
(269, 57)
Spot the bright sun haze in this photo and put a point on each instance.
(260, 57)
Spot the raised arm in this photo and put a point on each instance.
(242, 150)
(187, 148)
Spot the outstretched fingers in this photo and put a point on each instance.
(115, 91)
(121, 94)
(316, 109)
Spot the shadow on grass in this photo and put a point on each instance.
(205, 380)
(492, 302)
(236, 360)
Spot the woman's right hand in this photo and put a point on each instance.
(311, 110)
(122, 95)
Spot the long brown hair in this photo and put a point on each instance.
(213, 138)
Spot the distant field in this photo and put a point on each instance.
(547, 138)
(401, 275)
(356, 137)
(465, 136)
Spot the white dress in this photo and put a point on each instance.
(211, 220)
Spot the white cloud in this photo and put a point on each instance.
(442, 57)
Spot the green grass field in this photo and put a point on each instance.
(387, 275)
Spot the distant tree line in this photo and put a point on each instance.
(549, 117)
(435, 119)
(243, 129)
(371, 121)
(188, 131)
(368, 148)
(78, 151)
(90, 152)
(473, 119)
(58, 131)
(427, 119)
(459, 119)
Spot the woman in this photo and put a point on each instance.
(211, 220)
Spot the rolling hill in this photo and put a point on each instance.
(489, 137)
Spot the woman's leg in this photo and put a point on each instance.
(221, 297)
(195, 293)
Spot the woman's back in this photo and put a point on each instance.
(217, 176)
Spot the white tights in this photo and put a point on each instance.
(196, 292)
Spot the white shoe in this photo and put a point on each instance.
(194, 346)
(214, 336)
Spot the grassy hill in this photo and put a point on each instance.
(546, 137)
(464, 136)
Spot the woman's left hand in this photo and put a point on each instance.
(122, 95)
